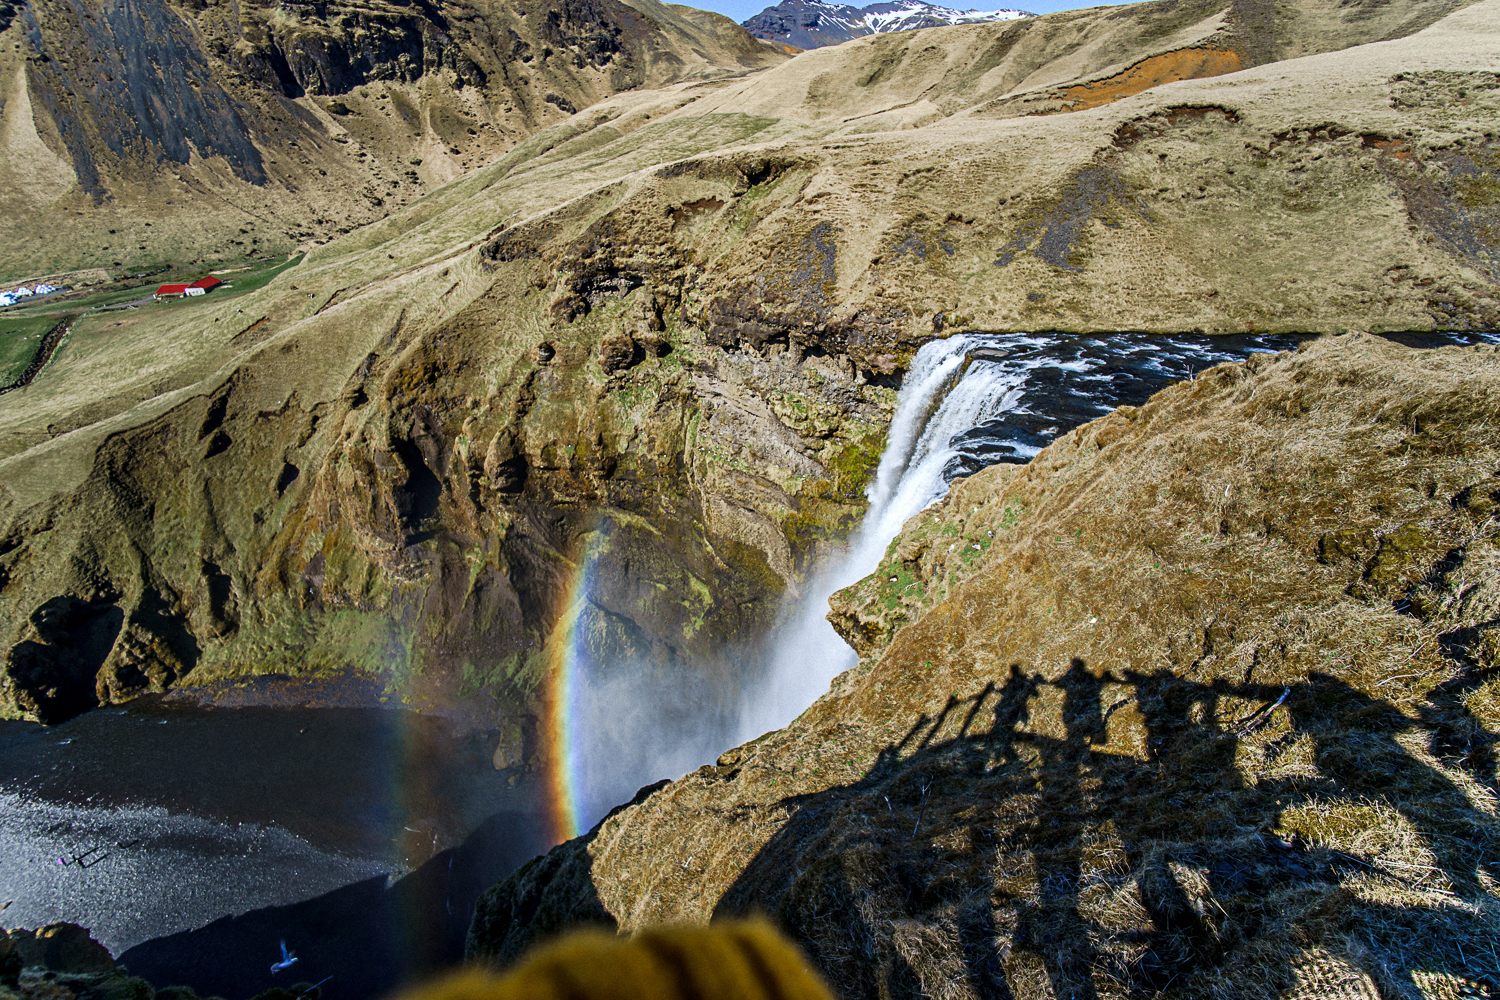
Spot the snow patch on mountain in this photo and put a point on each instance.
(905, 15)
(811, 24)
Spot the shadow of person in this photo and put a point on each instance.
(1033, 858)
(1357, 747)
(1458, 738)
(1051, 925)
(1187, 752)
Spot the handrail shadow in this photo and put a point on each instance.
(1008, 862)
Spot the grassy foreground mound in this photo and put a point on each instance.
(1201, 702)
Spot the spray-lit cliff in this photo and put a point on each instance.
(1200, 699)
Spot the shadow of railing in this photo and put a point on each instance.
(982, 852)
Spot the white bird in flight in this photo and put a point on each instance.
(287, 959)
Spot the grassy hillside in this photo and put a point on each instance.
(201, 132)
(19, 341)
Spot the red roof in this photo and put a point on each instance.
(203, 283)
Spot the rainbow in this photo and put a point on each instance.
(561, 692)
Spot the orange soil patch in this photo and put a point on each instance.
(1169, 67)
(1395, 147)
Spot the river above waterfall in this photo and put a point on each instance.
(967, 402)
(971, 401)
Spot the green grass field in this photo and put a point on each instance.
(255, 275)
(19, 341)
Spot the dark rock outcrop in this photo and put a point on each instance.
(61, 947)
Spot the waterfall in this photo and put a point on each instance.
(947, 392)
(967, 402)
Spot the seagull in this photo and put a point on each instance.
(287, 959)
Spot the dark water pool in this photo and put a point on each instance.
(360, 835)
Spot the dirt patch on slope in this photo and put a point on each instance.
(1169, 67)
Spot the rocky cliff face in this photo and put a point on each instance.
(301, 119)
(1201, 698)
(429, 517)
(425, 511)
(667, 328)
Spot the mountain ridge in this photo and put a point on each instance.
(809, 24)
(296, 121)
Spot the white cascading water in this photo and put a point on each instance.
(944, 394)
(967, 401)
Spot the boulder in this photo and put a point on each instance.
(60, 947)
(617, 351)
